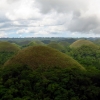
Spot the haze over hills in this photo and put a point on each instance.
(43, 56)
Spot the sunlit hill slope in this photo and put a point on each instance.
(43, 56)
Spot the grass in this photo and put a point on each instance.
(8, 47)
(35, 43)
(56, 46)
(43, 56)
(64, 43)
(80, 43)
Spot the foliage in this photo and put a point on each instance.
(70, 40)
(4, 56)
(7, 50)
(34, 43)
(64, 44)
(57, 46)
(43, 73)
(23, 43)
(37, 56)
(8, 47)
(46, 41)
(20, 82)
(87, 56)
(82, 42)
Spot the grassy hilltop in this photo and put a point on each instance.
(43, 56)
(82, 42)
(7, 50)
(8, 47)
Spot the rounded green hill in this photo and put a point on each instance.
(43, 56)
(7, 50)
(64, 43)
(8, 47)
(35, 43)
(81, 42)
(56, 45)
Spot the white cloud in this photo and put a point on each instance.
(50, 16)
(25, 10)
(2, 34)
(16, 23)
(22, 31)
(3, 5)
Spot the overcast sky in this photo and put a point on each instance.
(49, 18)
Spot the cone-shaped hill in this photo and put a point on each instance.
(43, 56)
(64, 43)
(8, 47)
(18, 46)
(7, 50)
(80, 43)
(56, 45)
(35, 43)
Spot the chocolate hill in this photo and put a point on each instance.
(43, 56)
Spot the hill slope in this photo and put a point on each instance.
(7, 50)
(56, 45)
(42, 56)
(80, 43)
(35, 43)
(8, 47)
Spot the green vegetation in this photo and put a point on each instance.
(8, 47)
(20, 82)
(97, 41)
(23, 43)
(43, 56)
(46, 41)
(18, 46)
(87, 56)
(80, 43)
(34, 43)
(57, 46)
(64, 44)
(40, 72)
(86, 53)
(7, 50)
(4, 56)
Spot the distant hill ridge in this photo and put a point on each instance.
(56, 45)
(35, 43)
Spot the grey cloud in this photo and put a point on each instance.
(76, 14)
(6, 23)
(80, 22)
(3, 18)
(84, 24)
(12, 1)
(11, 25)
(69, 14)
(97, 30)
(62, 5)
